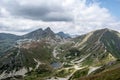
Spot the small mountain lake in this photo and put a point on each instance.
(56, 65)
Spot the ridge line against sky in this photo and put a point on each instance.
(70, 16)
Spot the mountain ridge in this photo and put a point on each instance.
(86, 53)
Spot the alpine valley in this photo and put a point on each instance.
(45, 55)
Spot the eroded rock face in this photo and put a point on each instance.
(13, 73)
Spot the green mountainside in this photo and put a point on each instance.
(44, 55)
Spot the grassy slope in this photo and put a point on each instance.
(112, 73)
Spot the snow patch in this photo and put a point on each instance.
(79, 61)
(38, 63)
(91, 69)
(111, 57)
(55, 53)
(21, 72)
(30, 68)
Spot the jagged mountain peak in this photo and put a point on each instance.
(63, 35)
(40, 29)
(48, 30)
(39, 33)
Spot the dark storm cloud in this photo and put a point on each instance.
(39, 12)
(58, 16)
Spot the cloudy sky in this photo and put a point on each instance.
(71, 16)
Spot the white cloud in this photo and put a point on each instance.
(86, 17)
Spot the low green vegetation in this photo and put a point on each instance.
(113, 74)
(79, 73)
(64, 72)
(40, 74)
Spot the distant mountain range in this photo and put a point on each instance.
(37, 34)
(63, 35)
(9, 39)
(45, 55)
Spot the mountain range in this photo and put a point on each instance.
(45, 55)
